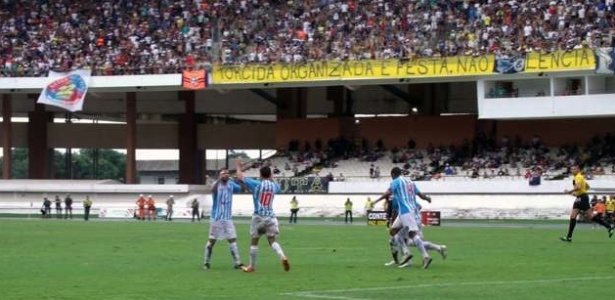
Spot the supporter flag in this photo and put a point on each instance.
(194, 80)
(66, 90)
(509, 65)
(605, 60)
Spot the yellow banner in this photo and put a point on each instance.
(349, 70)
(580, 59)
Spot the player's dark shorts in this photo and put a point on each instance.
(582, 203)
(389, 211)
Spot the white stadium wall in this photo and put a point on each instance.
(455, 200)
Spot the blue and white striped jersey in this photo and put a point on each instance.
(263, 192)
(222, 205)
(404, 195)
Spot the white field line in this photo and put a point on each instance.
(326, 294)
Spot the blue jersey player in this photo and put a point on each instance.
(264, 221)
(221, 225)
(407, 223)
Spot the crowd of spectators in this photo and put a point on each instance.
(487, 158)
(481, 157)
(167, 36)
(110, 36)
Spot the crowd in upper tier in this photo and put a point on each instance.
(167, 36)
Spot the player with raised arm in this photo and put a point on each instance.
(264, 221)
(221, 225)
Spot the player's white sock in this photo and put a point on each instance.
(278, 250)
(253, 253)
(394, 248)
(208, 249)
(431, 246)
(401, 244)
(234, 252)
(419, 244)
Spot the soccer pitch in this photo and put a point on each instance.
(54, 259)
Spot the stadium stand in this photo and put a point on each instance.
(116, 37)
(162, 36)
(480, 159)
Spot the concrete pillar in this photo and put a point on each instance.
(201, 171)
(187, 141)
(7, 144)
(131, 137)
(424, 92)
(38, 156)
(337, 94)
(440, 97)
(295, 103)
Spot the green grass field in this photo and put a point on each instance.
(51, 259)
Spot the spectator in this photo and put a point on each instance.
(535, 177)
(126, 37)
(341, 177)
(448, 170)
(330, 177)
(528, 174)
(377, 172)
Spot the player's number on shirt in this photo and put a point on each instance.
(266, 199)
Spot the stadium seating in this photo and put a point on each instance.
(486, 161)
(161, 36)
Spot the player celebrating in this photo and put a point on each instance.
(581, 204)
(221, 225)
(264, 221)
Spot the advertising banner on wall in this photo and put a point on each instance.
(303, 185)
(377, 217)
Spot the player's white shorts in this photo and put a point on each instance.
(222, 230)
(408, 220)
(264, 226)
